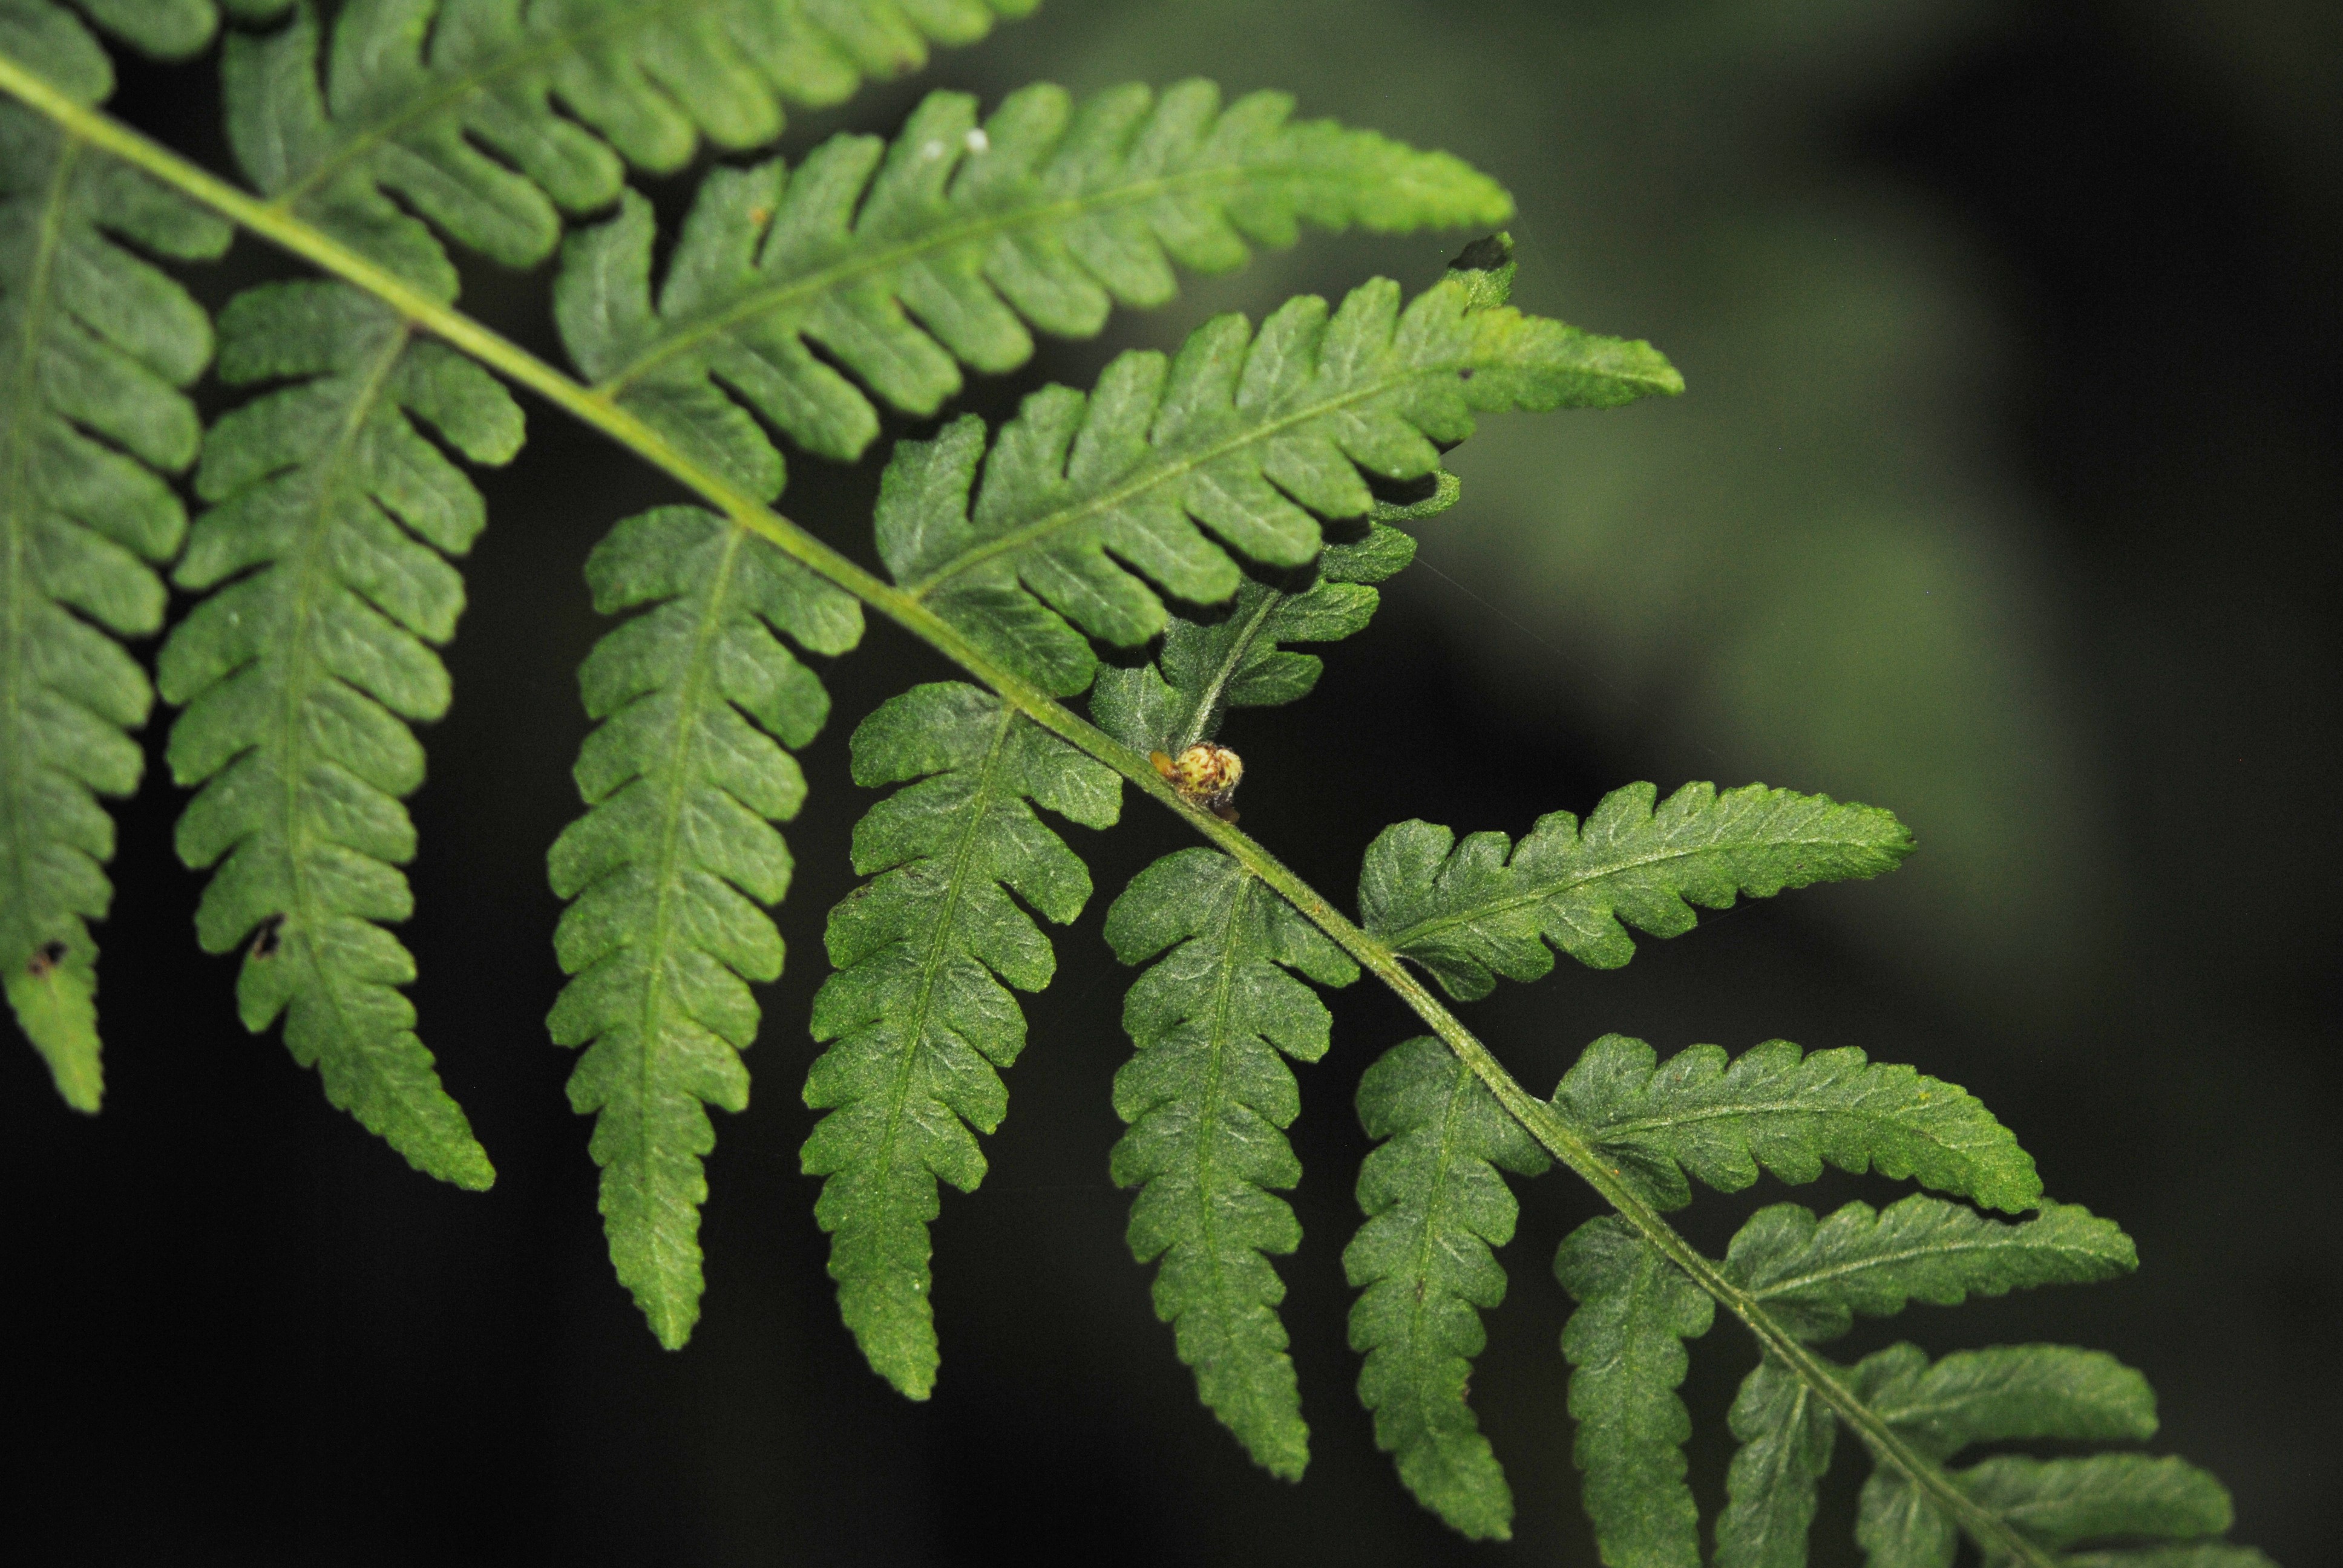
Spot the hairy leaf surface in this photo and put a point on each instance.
(1435, 1207)
(1786, 1435)
(1625, 1346)
(1815, 1275)
(1471, 911)
(2032, 1391)
(904, 262)
(323, 560)
(1699, 1115)
(1208, 1098)
(95, 347)
(919, 1017)
(696, 699)
(487, 119)
(1173, 468)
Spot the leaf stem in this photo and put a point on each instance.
(1543, 1121)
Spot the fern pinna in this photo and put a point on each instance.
(1159, 547)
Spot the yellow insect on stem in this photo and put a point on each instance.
(1206, 773)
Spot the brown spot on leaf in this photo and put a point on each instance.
(46, 959)
(264, 941)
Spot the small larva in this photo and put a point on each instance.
(1205, 773)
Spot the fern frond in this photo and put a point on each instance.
(1436, 1206)
(95, 345)
(695, 701)
(918, 1017)
(1172, 469)
(1699, 1116)
(1625, 1345)
(904, 262)
(1208, 1098)
(2033, 1391)
(323, 563)
(1469, 912)
(487, 119)
(1813, 1275)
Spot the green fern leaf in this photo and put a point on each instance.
(1207, 1099)
(1700, 1116)
(2032, 1391)
(695, 699)
(1046, 213)
(918, 1017)
(1813, 1275)
(95, 345)
(1435, 1207)
(323, 563)
(1467, 912)
(1625, 1346)
(488, 118)
(1244, 434)
(1786, 1435)
(49, 39)
(1204, 669)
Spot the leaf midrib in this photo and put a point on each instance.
(17, 519)
(865, 263)
(1200, 719)
(1421, 930)
(1434, 1208)
(690, 700)
(1016, 541)
(540, 48)
(931, 966)
(2020, 1243)
(1207, 1122)
(311, 577)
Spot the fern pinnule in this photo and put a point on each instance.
(323, 565)
(1205, 668)
(95, 347)
(696, 701)
(1436, 1207)
(905, 262)
(1815, 1275)
(491, 118)
(1625, 1345)
(918, 1019)
(1171, 470)
(1208, 1098)
(1699, 1116)
(1471, 911)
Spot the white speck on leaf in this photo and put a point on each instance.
(976, 140)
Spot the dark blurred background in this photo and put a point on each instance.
(2005, 493)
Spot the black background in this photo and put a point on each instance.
(243, 1332)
